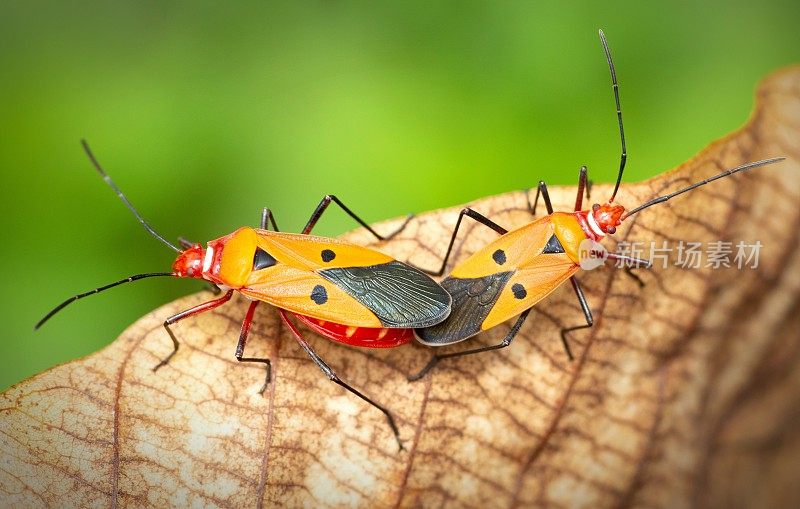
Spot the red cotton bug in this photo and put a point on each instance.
(345, 292)
(510, 275)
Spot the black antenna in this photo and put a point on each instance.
(624, 156)
(97, 290)
(124, 199)
(662, 199)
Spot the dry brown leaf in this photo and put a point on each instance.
(685, 393)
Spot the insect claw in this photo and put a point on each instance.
(635, 277)
(566, 346)
(402, 227)
(424, 371)
(396, 432)
(163, 362)
(169, 357)
(166, 359)
(267, 379)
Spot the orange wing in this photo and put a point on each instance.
(508, 252)
(309, 252)
(529, 284)
(506, 277)
(334, 280)
(307, 293)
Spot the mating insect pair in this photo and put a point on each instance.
(362, 297)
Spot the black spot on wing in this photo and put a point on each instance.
(399, 295)
(499, 257)
(262, 259)
(553, 246)
(519, 291)
(473, 299)
(327, 255)
(319, 295)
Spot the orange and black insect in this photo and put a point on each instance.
(343, 291)
(510, 275)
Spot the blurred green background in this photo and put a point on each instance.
(205, 113)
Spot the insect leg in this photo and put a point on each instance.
(248, 320)
(335, 379)
(542, 189)
(583, 183)
(185, 243)
(630, 264)
(323, 204)
(506, 341)
(586, 312)
(477, 216)
(630, 261)
(216, 290)
(206, 306)
(266, 218)
(629, 272)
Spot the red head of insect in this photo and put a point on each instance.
(607, 217)
(189, 263)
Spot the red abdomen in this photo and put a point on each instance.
(366, 337)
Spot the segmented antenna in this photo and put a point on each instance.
(615, 86)
(97, 290)
(124, 199)
(726, 173)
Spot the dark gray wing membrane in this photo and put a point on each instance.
(473, 299)
(553, 246)
(400, 296)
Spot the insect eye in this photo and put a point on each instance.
(262, 259)
(596, 207)
(611, 230)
